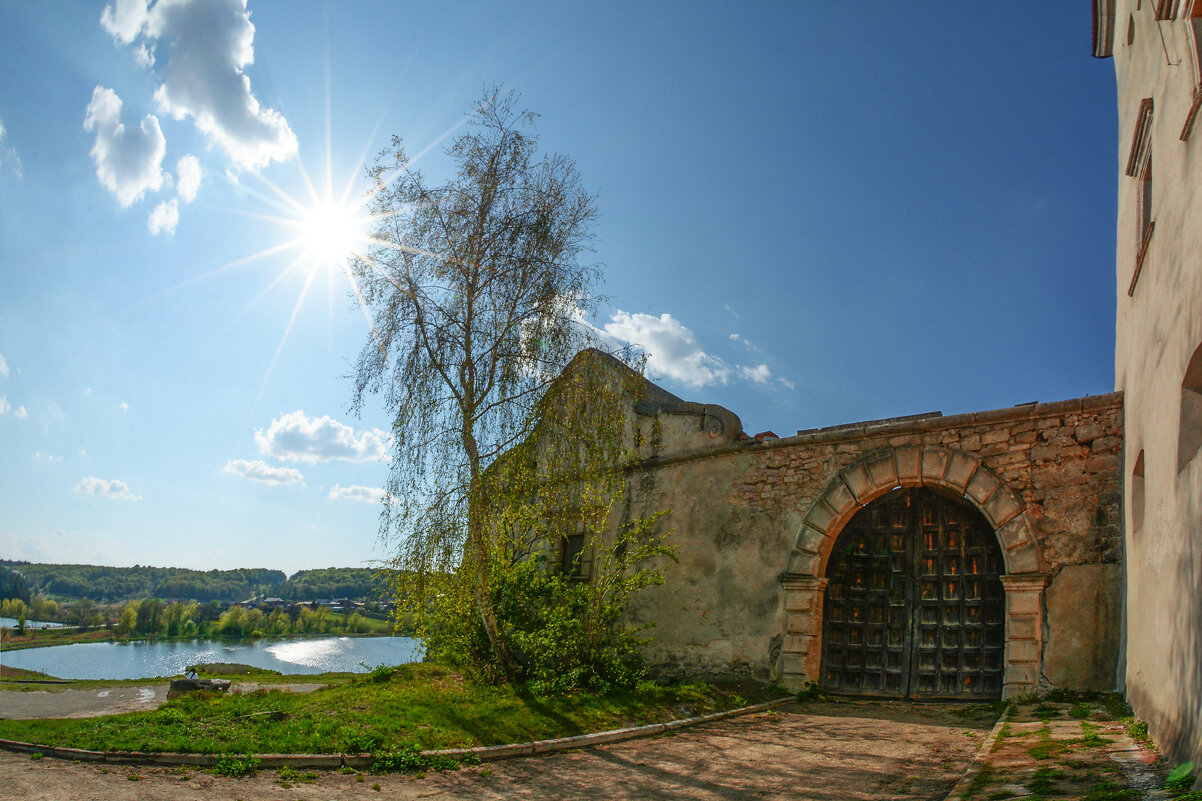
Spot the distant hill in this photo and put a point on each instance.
(114, 584)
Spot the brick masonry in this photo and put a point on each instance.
(754, 521)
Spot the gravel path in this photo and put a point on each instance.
(848, 751)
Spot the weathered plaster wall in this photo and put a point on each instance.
(1158, 329)
(741, 509)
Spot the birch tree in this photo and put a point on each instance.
(475, 287)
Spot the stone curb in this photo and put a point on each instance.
(483, 753)
(979, 761)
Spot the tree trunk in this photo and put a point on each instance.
(478, 541)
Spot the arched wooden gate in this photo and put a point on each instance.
(914, 606)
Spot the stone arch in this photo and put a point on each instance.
(869, 477)
(881, 471)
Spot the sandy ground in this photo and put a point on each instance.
(28, 704)
(846, 751)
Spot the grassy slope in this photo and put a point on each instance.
(424, 705)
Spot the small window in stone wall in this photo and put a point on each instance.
(1137, 494)
(575, 558)
(1139, 166)
(1189, 431)
(1166, 9)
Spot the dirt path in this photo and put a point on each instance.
(847, 751)
(28, 704)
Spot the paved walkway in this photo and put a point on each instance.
(1062, 751)
(849, 751)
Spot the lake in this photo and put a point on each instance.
(143, 660)
(11, 623)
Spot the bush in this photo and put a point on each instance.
(564, 633)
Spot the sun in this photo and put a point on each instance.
(329, 232)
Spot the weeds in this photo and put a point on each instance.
(288, 774)
(1081, 711)
(811, 691)
(1044, 780)
(983, 779)
(235, 767)
(410, 759)
(1179, 780)
(1138, 729)
(1109, 791)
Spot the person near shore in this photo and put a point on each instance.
(192, 673)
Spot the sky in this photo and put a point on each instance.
(807, 216)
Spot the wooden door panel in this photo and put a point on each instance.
(914, 606)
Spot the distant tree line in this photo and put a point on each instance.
(119, 584)
(13, 585)
(153, 618)
(332, 582)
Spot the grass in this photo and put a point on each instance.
(983, 779)
(420, 705)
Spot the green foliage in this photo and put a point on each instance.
(427, 705)
(1109, 791)
(812, 691)
(235, 767)
(408, 758)
(335, 582)
(288, 774)
(1044, 780)
(984, 777)
(1180, 779)
(1080, 710)
(13, 585)
(1138, 730)
(115, 584)
(565, 633)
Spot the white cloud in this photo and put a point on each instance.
(124, 19)
(357, 493)
(4, 406)
(672, 350)
(8, 154)
(295, 437)
(82, 452)
(786, 383)
(128, 161)
(256, 470)
(743, 340)
(164, 218)
(209, 43)
(109, 489)
(47, 458)
(20, 413)
(760, 374)
(124, 406)
(3, 366)
(189, 174)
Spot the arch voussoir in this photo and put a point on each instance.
(879, 472)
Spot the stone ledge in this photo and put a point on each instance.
(484, 753)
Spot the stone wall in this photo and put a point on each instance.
(1158, 356)
(754, 521)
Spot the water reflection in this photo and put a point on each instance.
(140, 660)
(11, 623)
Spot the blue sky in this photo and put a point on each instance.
(808, 216)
